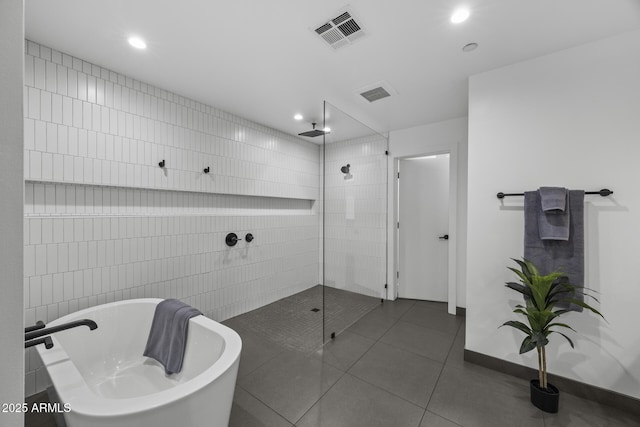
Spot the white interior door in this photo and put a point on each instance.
(423, 207)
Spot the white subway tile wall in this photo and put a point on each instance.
(355, 215)
(103, 222)
(104, 128)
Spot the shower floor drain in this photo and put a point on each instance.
(315, 310)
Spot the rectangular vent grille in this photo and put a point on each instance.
(340, 19)
(332, 36)
(340, 31)
(349, 27)
(375, 94)
(325, 27)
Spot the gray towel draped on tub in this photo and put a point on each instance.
(168, 335)
(562, 255)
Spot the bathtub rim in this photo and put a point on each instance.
(73, 389)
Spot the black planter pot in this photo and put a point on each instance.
(545, 399)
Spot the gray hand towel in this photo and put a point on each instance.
(548, 256)
(168, 335)
(553, 198)
(554, 214)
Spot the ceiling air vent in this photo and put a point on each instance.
(376, 91)
(375, 94)
(341, 30)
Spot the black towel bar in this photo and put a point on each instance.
(604, 193)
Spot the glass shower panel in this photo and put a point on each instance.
(354, 220)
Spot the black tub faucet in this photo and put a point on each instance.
(53, 329)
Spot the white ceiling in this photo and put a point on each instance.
(261, 60)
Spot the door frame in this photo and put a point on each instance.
(452, 150)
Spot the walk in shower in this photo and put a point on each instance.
(353, 220)
(351, 210)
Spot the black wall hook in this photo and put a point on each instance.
(161, 164)
(206, 170)
(248, 237)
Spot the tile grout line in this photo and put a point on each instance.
(422, 355)
(440, 375)
(265, 404)
(305, 355)
(346, 371)
(378, 340)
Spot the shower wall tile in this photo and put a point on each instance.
(104, 223)
(125, 127)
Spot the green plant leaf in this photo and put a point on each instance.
(568, 339)
(531, 268)
(538, 319)
(592, 297)
(518, 325)
(583, 292)
(563, 325)
(519, 288)
(539, 338)
(527, 345)
(561, 287)
(585, 305)
(563, 311)
(523, 267)
(524, 278)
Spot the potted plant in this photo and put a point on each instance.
(541, 296)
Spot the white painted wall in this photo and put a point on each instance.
(11, 194)
(447, 136)
(566, 119)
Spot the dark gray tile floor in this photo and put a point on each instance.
(402, 364)
(296, 322)
(38, 419)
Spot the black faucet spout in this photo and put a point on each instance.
(53, 329)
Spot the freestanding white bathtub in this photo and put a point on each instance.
(104, 379)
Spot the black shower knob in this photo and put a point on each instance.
(231, 239)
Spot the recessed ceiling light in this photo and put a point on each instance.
(137, 42)
(459, 16)
(298, 117)
(469, 47)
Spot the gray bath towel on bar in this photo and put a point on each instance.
(554, 215)
(168, 336)
(566, 256)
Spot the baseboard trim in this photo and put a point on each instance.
(577, 388)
